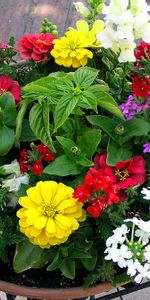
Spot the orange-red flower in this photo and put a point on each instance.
(35, 46)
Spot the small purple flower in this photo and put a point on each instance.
(146, 148)
(130, 107)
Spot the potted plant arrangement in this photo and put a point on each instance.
(75, 154)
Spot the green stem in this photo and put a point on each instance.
(132, 234)
(19, 121)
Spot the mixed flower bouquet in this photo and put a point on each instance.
(75, 147)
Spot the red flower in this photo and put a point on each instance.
(97, 192)
(143, 51)
(46, 154)
(126, 173)
(37, 167)
(36, 46)
(141, 86)
(9, 85)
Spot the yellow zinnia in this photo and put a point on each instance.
(97, 27)
(71, 49)
(49, 213)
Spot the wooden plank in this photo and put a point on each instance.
(13, 18)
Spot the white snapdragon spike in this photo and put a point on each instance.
(146, 192)
(143, 272)
(138, 6)
(127, 51)
(147, 253)
(12, 168)
(108, 37)
(125, 17)
(81, 9)
(116, 7)
(13, 184)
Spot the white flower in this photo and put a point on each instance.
(127, 51)
(117, 7)
(118, 237)
(145, 236)
(119, 256)
(12, 168)
(81, 9)
(107, 37)
(142, 27)
(147, 253)
(125, 17)
(138, 6)
(13, 184)
(146, 192)
(132, 267)
(144, 272)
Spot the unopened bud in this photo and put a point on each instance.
(75, 150)
(99, 8)
(119, 129)
(82, 9)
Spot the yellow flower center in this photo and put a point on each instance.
(49, 211)
(121, 175)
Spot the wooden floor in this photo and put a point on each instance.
(18, 17)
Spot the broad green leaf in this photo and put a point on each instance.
(116, 153)
(56, 263)
(97, 89)
(105, 123)
(27, 135)
(40, 123)
(8, 110)
(88, 101)
(64, 108)
(67, 145)
(62, 166)
(108, 103)
(26, 256)
(89, 141)
(135, 127)
(78, 253)
(68, 268)
(7, 137)
(85, 76)
(90, 263)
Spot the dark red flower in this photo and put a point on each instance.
(142, 51)
(37, 167)
(9, 85)
(36, 46)
(126, 173)
(97, 192)
(141, 86)
(45, 152)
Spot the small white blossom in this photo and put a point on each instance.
(12, 168)
(118, 237)
(145, 236)
(144, 272)
(147, 253)
(146, 192)
(119, 255)
(13, 184)
(132, 267)
(143, 225)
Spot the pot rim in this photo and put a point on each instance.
(52, 293)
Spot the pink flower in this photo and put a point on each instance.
(9, 85)
(36, 46)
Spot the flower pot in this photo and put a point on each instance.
(48, 294)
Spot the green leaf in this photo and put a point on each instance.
(77, 253)
(89, 142)
(105, 123)
(40, 123)
(27, 135)
(85, 76)
(26, 256)
(7, 137)
(64, 108)
(90, 263)
(116, 153)
(56, 263)
(62, 166)
(88, 101)
(68, 268)
(135, 127)
(8, 109)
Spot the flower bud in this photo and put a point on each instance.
(99, 8)
(119, 129)
(82, 9)
(75, 150)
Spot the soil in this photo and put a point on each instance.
(40, 277)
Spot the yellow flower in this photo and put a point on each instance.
(71, 49)
(49, 213)
(83, 27)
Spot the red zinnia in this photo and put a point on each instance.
(126, 173)
(36, 46)
(9, 85)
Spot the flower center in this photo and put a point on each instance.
(2, 91)
(121, 175)
(49, 211)
(42, 43)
